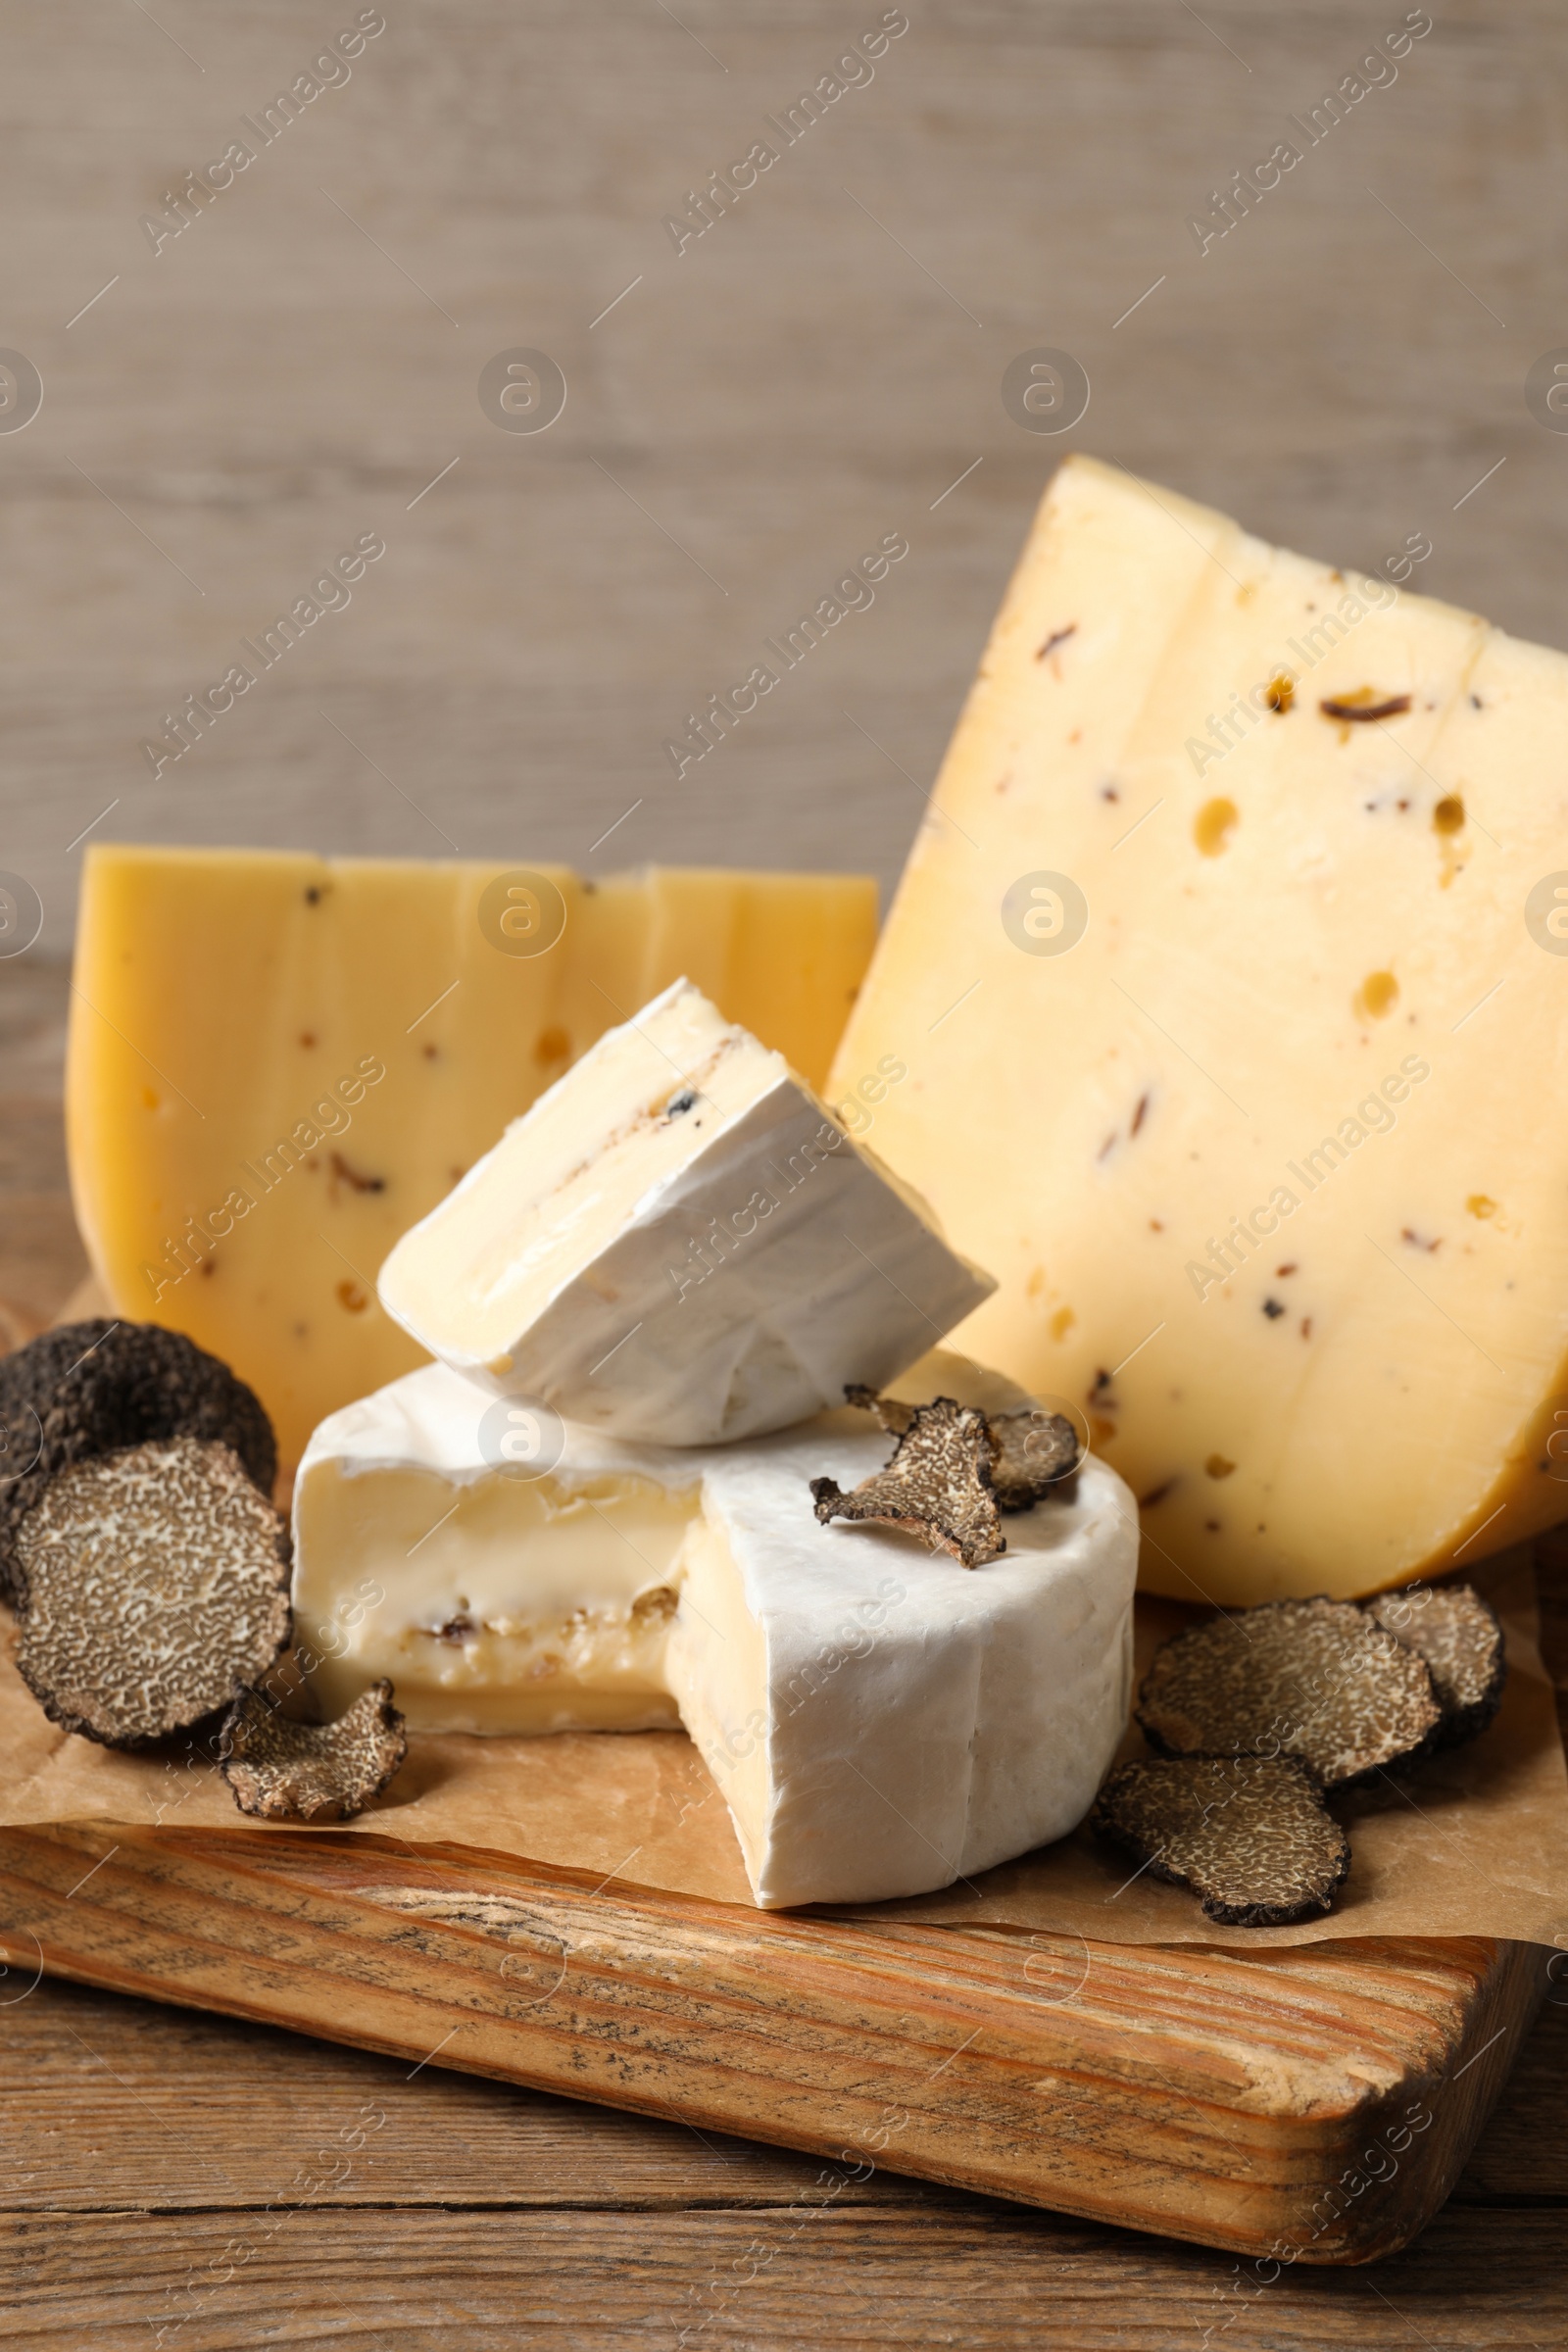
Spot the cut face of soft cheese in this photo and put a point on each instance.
(880, 1719)
(279, 1062)
(495, 1603)
(678, 1245)
(1255, 865)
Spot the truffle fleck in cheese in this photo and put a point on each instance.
(279, 1062)
(1221, 1022)
(678, 1244)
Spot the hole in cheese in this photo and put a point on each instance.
(1213, 826)
(1376, 997)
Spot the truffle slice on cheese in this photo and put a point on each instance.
(678, 1245)
(878, 1720)
(1228, 977)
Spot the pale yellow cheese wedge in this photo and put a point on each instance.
(1271, 1162)
(279, 1062)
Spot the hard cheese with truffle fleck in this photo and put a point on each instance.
(279, 1062)
(1228, 976)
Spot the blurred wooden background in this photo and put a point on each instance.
(296, 366)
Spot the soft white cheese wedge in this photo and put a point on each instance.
(880, 1719)
(678, 1244)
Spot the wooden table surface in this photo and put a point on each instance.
(159, 2180)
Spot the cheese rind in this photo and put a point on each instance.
(877, 1719)
(679, 1245)
(278, 1062)
(1285, 1212)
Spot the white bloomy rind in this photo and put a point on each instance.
(880, 1719)
(679, 1245)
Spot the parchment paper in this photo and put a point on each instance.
(1471, 1842)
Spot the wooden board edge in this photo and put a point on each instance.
(1339, 2189)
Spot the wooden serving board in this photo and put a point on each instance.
(1313, 2103)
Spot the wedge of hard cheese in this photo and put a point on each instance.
(878, 1719)
(279, 1062)
(1228, 973)
(678, 1245)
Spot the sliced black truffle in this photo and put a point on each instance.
(1037, 1454)
(891, 1413)
(1249, 1835)
(155, 1587)
(1312, 1678)
(92, 1388)
(1461, 1641)
(283, 1771)
(937, 1485)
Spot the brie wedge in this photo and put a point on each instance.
(677, 1244)
(880, 1719)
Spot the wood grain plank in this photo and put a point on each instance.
(806, 2280)
(1325, 2098)
(107, 2101)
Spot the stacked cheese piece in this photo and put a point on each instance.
(595, 1510)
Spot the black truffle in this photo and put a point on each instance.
(1249, 1835)
(155, 1587)
(90, 1387)
(1461, 1641)
(283, 1771)
(1037, 1454)
(937, 1485)
(891, 1413)
(1317, 1679)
